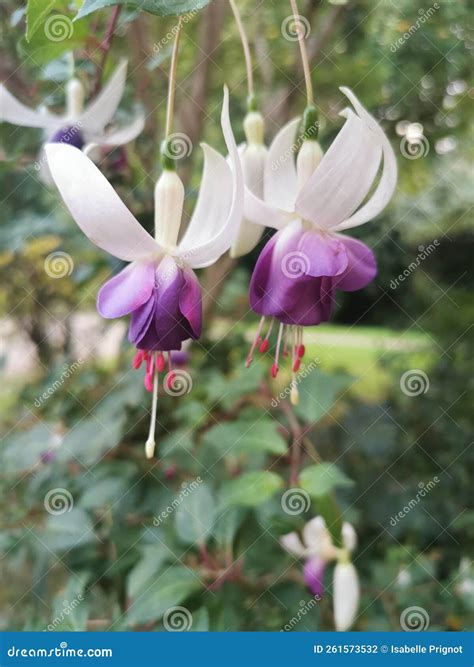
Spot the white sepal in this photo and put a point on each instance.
(169, 201)
(13, 111)
(346, 595)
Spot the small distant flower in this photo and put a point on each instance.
(159, 288)
(309, 202)
(81, 126)
(317, 549)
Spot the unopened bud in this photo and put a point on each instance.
(169, 200)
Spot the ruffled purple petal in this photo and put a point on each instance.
(362, 266)
(313, 574)
(126, 291)
(322, 254)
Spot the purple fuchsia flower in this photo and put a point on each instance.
(317, 549)
(309, 203)
(81, 125)
(158, 289)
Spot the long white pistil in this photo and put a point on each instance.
(150, 443)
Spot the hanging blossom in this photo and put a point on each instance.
(309, 203)
(317, 549)
(158, 289)
(81, 125)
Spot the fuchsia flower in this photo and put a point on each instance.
(317, 549)
(81, 125)
(158, 289)
(310, 203)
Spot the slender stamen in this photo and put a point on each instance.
(256, 341)
(245, 46)
(265, 344)
(277, 351)
(304, 53)
(150, 443)
(296, 362)
(285, 343)
(172, 80)
(150, 366)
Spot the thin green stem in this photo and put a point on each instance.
(172, 80)
(245, 46)
(304, 53)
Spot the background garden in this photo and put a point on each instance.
(95, 536)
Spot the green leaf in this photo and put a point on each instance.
(241, 437)
(318, 393)
(104, 492)
(158, 7)
(153, 558)
(320, 479)
(227, 526)
(194, 516)
(36, 13)
(66, 531)
(60, 34)
(250, 490)
(170, 589)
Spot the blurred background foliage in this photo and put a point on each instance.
(111, 551)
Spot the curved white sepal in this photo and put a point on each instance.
(119, 137)
(96, 207)
(292, 543)
(101, 110)
(388, 180)
(220, 226)
(280, 180)
(13, 111)
(343, 177)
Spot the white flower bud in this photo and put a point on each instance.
(169, 200)
(254, 128)
(74, 99)
(309, 156)
(253, 165)
(346, 594)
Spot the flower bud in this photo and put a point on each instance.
(254, 128)
(74, 99)
(169, 200)
(349, 537)
(346, 595)
(309, 157)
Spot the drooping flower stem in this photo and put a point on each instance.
(172, 79)
(304, 53)
(246, 49)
